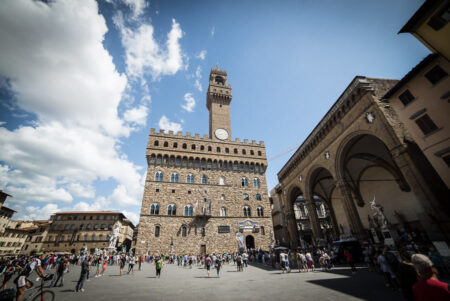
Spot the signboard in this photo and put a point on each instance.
(224, 229)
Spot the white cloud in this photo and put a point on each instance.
(137, 115)
(132, 216)
(201, 55)
(2, 123)
(53, 56)
(144, 55)
(213, 31)
(137, 6)
(29, 213)
(189, 103)
(167, 125)
(198, 76)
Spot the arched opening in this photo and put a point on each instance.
(249, 242)
(373, 177)
(298, 226)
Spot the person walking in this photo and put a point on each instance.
(158, 264)
(208, 262)
(122, 263)
(83, 275)
(407, 276)
(9, 272)
(104, 267)
(428, 288)
(141, 260)
(60, 268)
(131, 262)
(350, 261)
(218, 265)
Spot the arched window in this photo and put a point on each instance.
(188, 210)
(88, 227)
(72, 227)
(244, 182)
(235, 151)
(218, 149)
(209, 148)
(66, 227)
(157, 230)
(190, 179)
(156, 143)
(166, 144)
(252, 152)
(81, 227)
(175, 145)
(100, 237)
(259, 153)
(256, 183)
(154, 209)
(193, 146)
(96, 227)
(260, 211)
(244, 152)
(159, 176)
(172, 210)
(184, 231)
(174, 177)
(222, 197)
(62, 238)
(184, 146)
(247, 212)
(202, 147)
(245, 195)
(103, 227)
(227, 150)
(222, 181)
(86, 237)
(223, 211)
(110, 227)
(93, 237)
(258, 197)
(204, 179)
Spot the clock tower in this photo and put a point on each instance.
(218, 99)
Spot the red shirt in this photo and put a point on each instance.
(349, 256)
(431, 290)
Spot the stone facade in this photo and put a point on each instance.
(205, 180)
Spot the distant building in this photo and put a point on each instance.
(14, 237)
(36, 237)
(72, 231)
(5, 212)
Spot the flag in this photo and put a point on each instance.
(209, 206)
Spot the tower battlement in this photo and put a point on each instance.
(170, 134)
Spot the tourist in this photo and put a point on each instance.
(407, 275)
(22, 282)
(83, 275)
(60, 268)
(8, 272)
(428, 288)
(239, 263)
(104, 267)
(98, 263)
(350, 261)
(208, 262)
(158, 265)
(386, 270)
(310, 261)
(218, 265)
(141, 260)
(131, 262)
(122, 260)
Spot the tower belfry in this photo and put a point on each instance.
(218, 99)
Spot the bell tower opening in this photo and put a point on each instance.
(218, 99)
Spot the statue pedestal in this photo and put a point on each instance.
(390, 236)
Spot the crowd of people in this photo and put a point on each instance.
(410, 270)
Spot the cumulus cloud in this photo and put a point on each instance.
(137, 115)
(189, 103)
(58, 69)
(198, 77)
(144, 55)
(201, 55)
(167, 125)
(137, 6)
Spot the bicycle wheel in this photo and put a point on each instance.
(48, 296)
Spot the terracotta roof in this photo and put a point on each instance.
(88, 212)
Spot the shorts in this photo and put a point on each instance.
(208, 267)
(122, 266)
(21, 281)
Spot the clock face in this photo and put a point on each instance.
(221, 134)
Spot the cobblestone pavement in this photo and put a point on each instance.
(254, 283)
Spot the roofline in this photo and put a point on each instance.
(88, 212)
(422, 12)
(414, 71)
(4, 207)
(319, 124)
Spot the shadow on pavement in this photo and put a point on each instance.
(67, 291)
(206, 277)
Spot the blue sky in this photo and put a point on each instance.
(82, 82)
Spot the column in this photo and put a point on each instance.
(291, 223)
(313, 219)
(351, 212)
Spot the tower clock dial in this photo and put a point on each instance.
(221, 134)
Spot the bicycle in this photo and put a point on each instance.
(41, 294)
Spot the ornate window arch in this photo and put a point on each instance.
(256, 183)
(247, 211)
(174, 177)
(190, 179)
(154, 209)
(222, 180)
(204, 179)
(172, 209)
(188, 210)
(244, 182)
(183, 230)
(260, 211)
(258, 197)
(159, 176)
(157, 230)
(245, 196)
